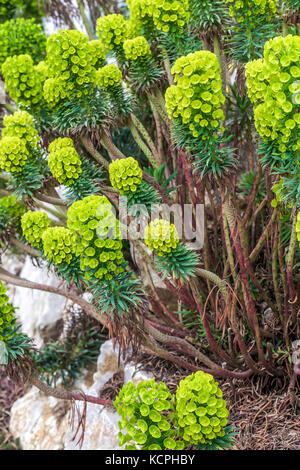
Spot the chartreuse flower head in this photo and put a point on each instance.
(71, 62)
(125, 175)
(6, 314)
(161, 236)
(22, 80)
(167, 16)
(136, 48)
(64, 161)
(252, 10)
(21, 36)
(21, 124)
(11, 212)
(273, 85)
(173, 256)
(100, 245)
(97, 52)
(34, 223)
(59, 244)
(112, 30)
(201, 413)
(109, 76)
(13, 154)
(196, 100)
(146, 412)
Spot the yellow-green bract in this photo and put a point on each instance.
(13, 154)
(6, 312)
(21, 124)
(274, 89)
(112, 30)
(167, 16)
(59, 244)
(22, 79)
(100, 244)
(200, 410)
(161, 236)
(243, 10)
(196, 99)
(64, 161)
(21, 36)
(125, 175)
(108, 76)
(136, 48)
(34, 223)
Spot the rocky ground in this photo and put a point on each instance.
(264, 416)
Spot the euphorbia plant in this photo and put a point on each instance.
(197, 106)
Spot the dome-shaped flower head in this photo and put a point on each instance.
(161, 236)
(125, 175)
(59, 244)
(64, 161)
(13, 154)
(34, 223)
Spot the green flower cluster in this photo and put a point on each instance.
(59, 244)
(100, 245)
(298, 227)
(22, 79)
(21, 36)
(14, 208)
(136, 48)
(34, 223)
(97, 52)
(64, 161)
(70, 65)
(125, 175)
(146, 411)
(112, 31)
(21, 124)
(196, 99)
(6, 313)
(13, 154)
(273, 87)
(108, 76)
(242, 10)
(161, 236)
(200, 410)
(168, 16)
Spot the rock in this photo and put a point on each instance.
(39, 422)
(42, 423)
(40, 312)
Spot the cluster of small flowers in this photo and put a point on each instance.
(112, 31)
(108, 76)
(125, 175)
(33, 224)
(63, 160)
(14, 208)
(21, 124)
(168, 16)
(59, 244)
(97, 52)
(23, 80)
(201, 411)
(242, 10)
(161, 236)
(21, 36)
(274, 89)
(6, 313)
(136, 48)
(100, 245)
(13, 154)
(145, 412)
(197, 97)
(70, 60)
